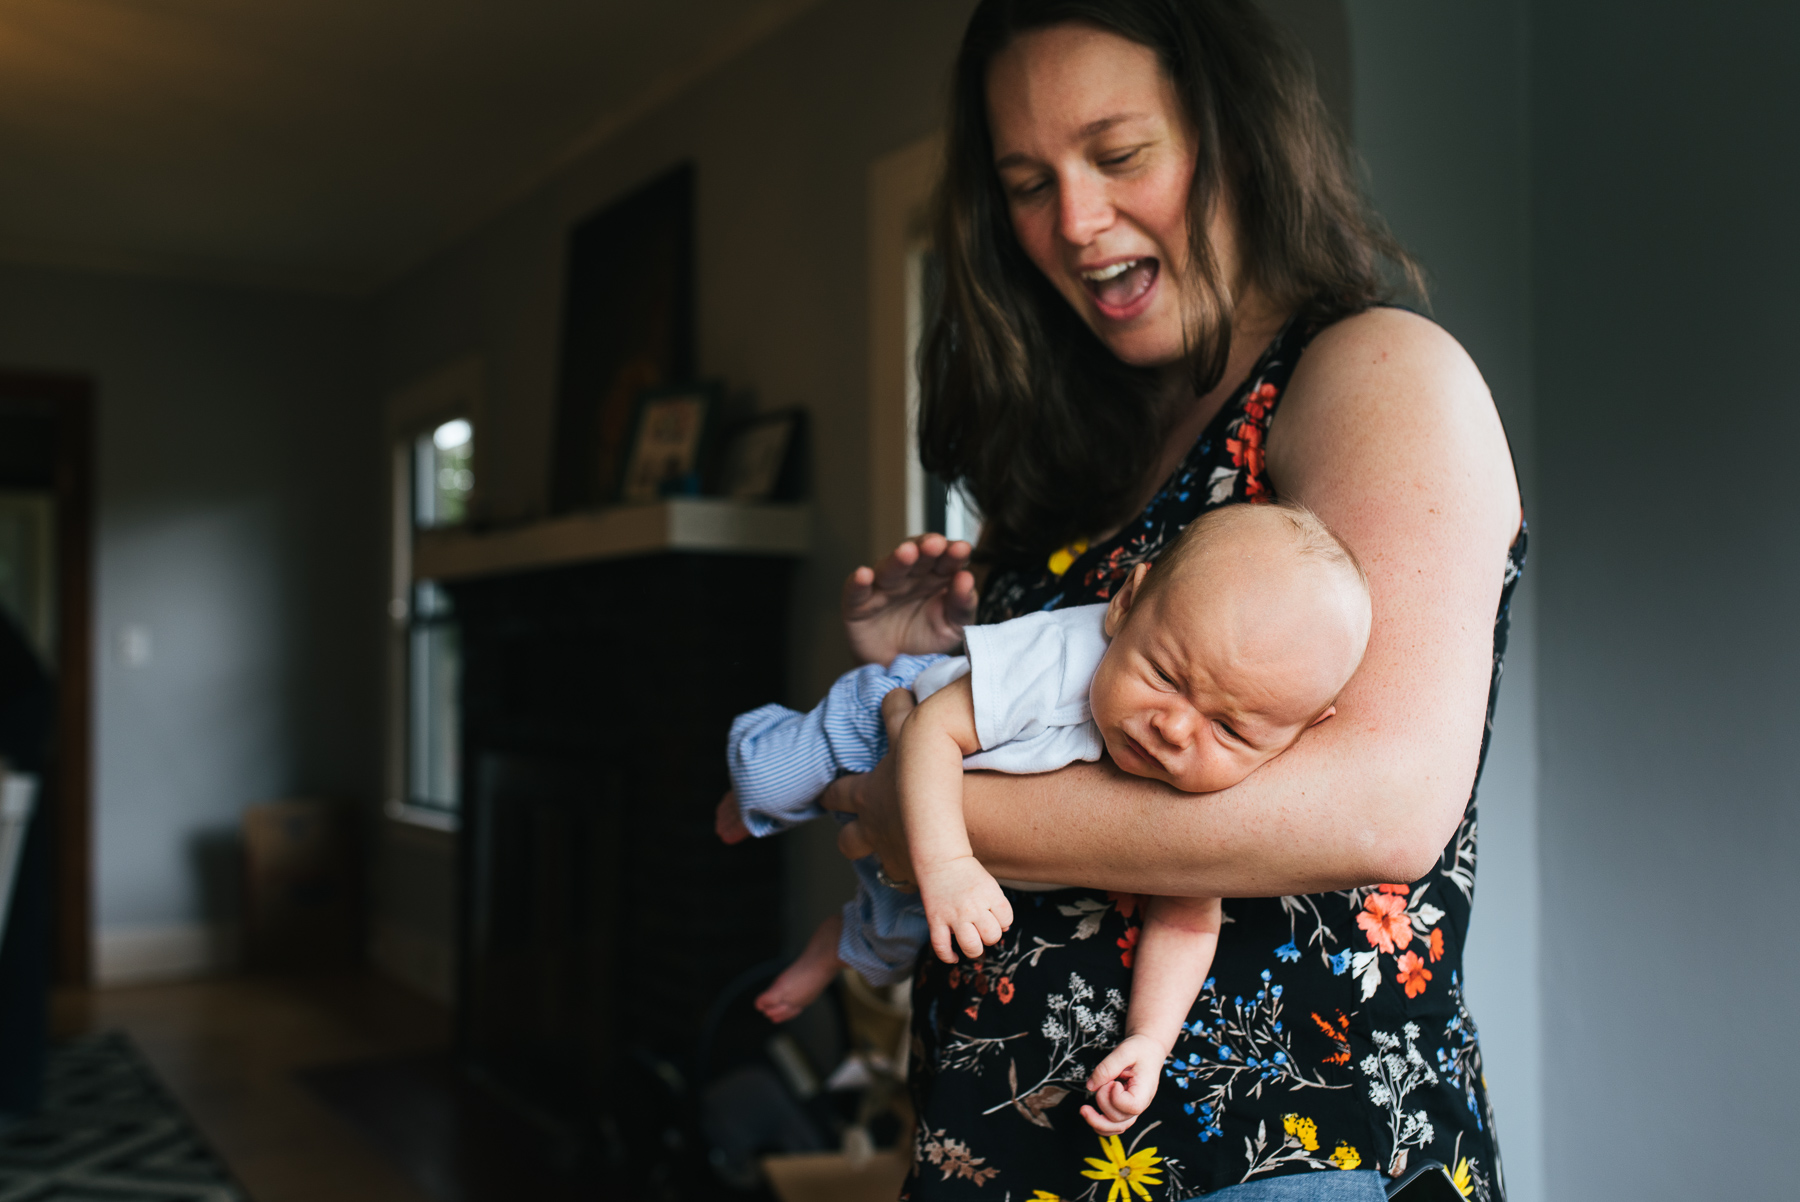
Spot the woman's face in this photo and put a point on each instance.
(1096, 160)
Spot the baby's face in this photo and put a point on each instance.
(1203, 685)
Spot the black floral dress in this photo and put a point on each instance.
(1332, 1035)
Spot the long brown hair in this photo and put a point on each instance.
(1048, 431)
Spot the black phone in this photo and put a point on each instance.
(1426, 1181)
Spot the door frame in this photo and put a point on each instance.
(72, 398)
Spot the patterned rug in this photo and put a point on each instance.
(109, 1132)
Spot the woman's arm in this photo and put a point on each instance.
(1389, 434)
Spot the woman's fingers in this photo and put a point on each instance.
(852, 843)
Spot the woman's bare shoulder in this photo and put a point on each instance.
(1387, 403)
(1386, 379)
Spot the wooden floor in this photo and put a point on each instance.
(231, 1049)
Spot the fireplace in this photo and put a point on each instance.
(601, 916)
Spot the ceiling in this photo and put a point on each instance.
(319, 144)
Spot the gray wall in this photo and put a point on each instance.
(1441, 121)
(238, 468)
(1665, 171)
(783, 138)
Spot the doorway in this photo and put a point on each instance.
(46, 587)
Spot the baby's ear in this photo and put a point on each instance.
(1329, 710)
(1119, 608)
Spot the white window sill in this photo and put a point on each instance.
(422, 816)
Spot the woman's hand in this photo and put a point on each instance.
(915, 602)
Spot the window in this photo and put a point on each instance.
(434, 716)
(442, 479)
(442, 476)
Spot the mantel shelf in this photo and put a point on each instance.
(708, 524)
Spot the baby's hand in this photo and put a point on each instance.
(728, 820)
(1123, 1084)
(964, 906)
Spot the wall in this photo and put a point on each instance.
(783, 137)
(1666, 162)
(1441, 121)
(237, 466)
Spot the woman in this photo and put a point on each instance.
(1161, 294)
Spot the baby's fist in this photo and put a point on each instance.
(728, 820)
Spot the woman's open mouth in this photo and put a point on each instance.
(1122, 290)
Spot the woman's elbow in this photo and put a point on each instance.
(1407, 840)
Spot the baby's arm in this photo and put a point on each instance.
(1173, 955)
(963, 903)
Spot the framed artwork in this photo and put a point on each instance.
(628, 326)
(668, 438)
(765, 458)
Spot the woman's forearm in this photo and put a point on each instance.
(1276, 833)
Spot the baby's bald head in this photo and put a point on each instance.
(1258, 615)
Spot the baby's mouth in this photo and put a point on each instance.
(1119, 285)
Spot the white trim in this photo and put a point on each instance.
(171, 952)
(900, 187)
(421, 816)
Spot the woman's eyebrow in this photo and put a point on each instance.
(1106, 123)
(1091, 129)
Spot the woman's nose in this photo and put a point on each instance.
(1085, 207)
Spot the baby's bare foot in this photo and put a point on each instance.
(801, 982)
(799, 985)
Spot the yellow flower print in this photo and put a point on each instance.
(1304, 1130)
(1064, 559)
(1465, 1183)
(1345, 1157)
(1128, 1174)
(1043, 1195)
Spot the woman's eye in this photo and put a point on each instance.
(1119, 160)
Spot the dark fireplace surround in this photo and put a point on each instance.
(601, 916)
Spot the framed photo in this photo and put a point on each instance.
(668, 437)
(765, 458)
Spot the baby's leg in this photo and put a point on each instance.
(801, 982)
(1173, 955)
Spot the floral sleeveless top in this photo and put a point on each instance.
(1332, 1034)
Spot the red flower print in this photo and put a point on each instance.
(1402, 890)
(1128, 941)
(1412, 973)
(1385, 920)
(974, 1008)
(1338, 1035)
(1126, 903)
(1437, 945)
(1004, 990)
(955, 976)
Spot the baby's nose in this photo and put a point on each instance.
(1176, 727)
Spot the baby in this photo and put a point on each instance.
(1200, 670)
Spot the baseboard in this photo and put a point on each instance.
(173, 952)
(421, 962)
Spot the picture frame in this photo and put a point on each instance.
(668, 442)
(764, 459)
